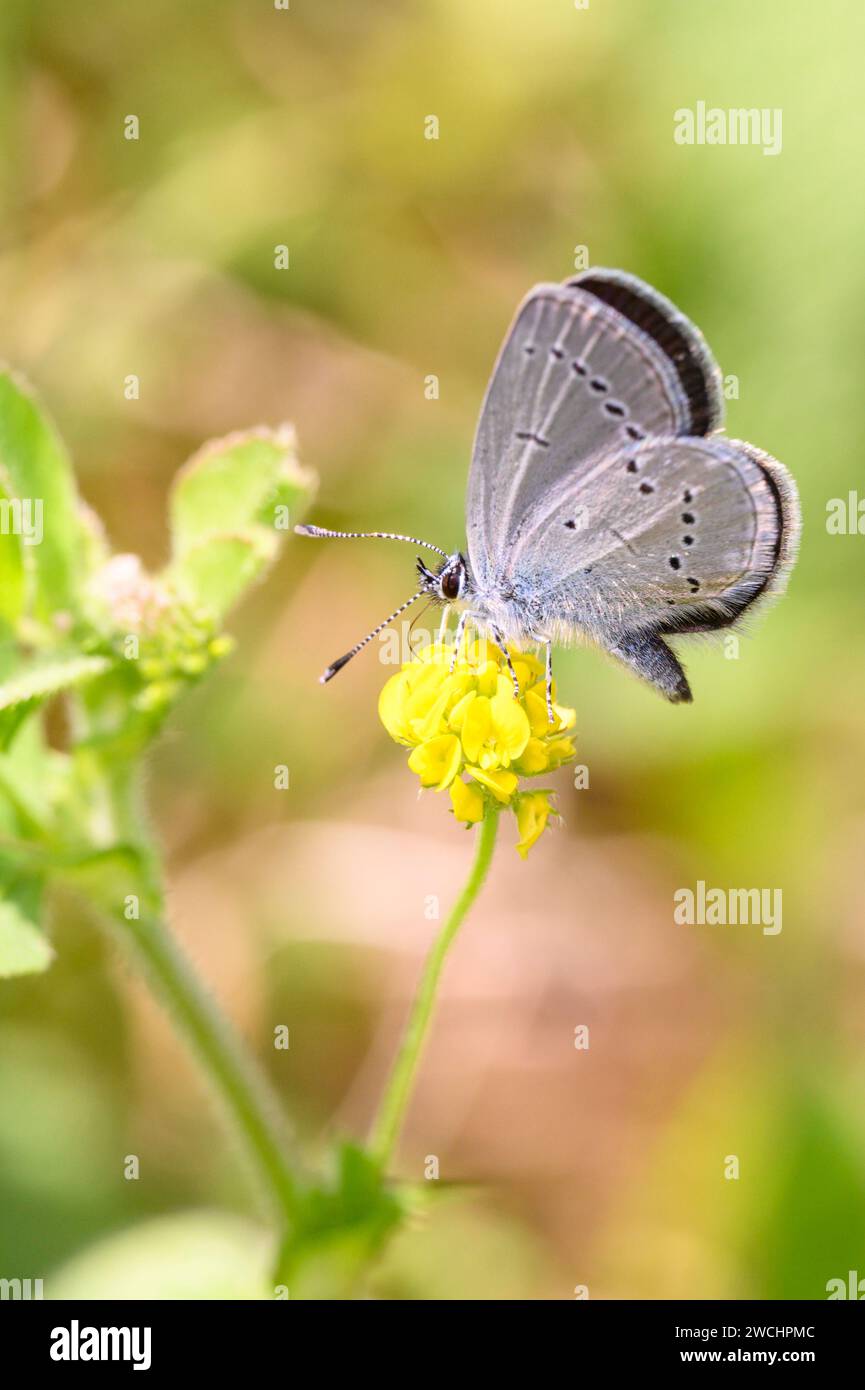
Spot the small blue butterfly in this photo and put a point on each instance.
(603, 502)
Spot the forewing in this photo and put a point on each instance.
(587, 367)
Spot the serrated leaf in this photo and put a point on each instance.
(24, 691)
(37, 472)
(236, 484)
(23, 948)
(229, 508)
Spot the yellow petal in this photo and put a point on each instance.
(527, 667)
(481, 652)
(565, 718)
(511, 729)
(488, 677)
(426, 725)
(535, 703)
(423, 694)
(559, 750)
(437, 761)
(476, 727)
(533, 812)
(458, 713)
(534, 758)
(432, 654)
(392, 707)
(458, 684)
(502, 784)
(467, 801)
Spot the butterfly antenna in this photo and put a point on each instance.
(343, 660)
(324, 534)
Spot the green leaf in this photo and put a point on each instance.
(12, 573)
(106, 877)
(188, 1255)
(37, 474)
(23, 948)
(237, 483)
(28, 772)
(229, 507)
(23, 692)
(341, 1225)
(216, 573)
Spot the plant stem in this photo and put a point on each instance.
(395, 1101)
(246, 1094)
(232, 1072)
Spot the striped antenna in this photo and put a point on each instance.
(324, 534)
(343, 660)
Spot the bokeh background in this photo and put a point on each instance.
(558, 1167)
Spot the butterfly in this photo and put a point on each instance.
(603, 502)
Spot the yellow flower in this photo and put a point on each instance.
(437, 761)
(464, 723)
(502, 784)
(467, 800)
(533, 812)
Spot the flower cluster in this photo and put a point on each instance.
(469, 735)
(166, 645)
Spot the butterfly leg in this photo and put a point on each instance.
(443, 626)
(546, 643)
(499, 640)
(551, 718)
(458, 637)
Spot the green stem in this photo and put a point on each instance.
(248, 1099)
(234, 1075)
(389, 1121)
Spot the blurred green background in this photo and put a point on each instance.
(307, 907)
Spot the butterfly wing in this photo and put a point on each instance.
(675, 535)
(597, 363)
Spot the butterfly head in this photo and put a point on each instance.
(449, 583)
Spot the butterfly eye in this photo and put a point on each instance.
(451, 584)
